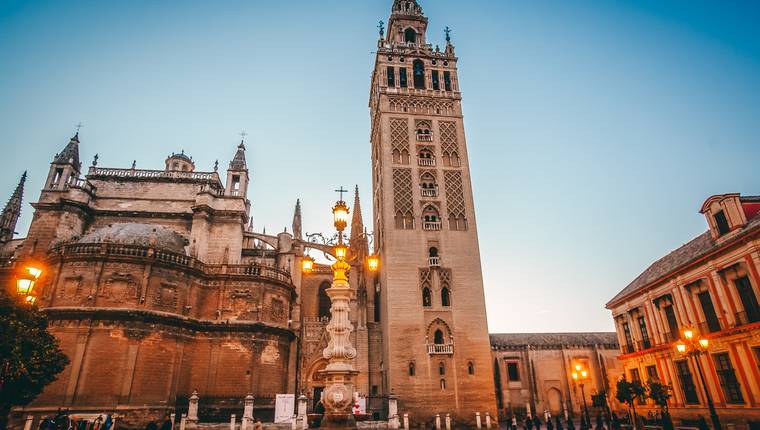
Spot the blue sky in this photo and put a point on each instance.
(595, 128)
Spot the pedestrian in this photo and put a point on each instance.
(528, 423)
(151, 425)
(167, 424)
(570, 425)
(514, 422)
(537, 422)
(549, 424)
(257, 425)
(615, 422)
(558, 422)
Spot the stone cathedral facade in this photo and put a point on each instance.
(157, 285)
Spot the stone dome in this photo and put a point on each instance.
(152, 235)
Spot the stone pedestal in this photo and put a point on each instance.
(437, 421)
(303, 421)
(406, 421)
(247, 422)
(338, 394)
(477, 420)
(488, 420)
(192, 408)
(393, 423)
(448, 421)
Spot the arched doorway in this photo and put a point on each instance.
(554, 398)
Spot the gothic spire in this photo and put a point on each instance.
(70, 154)
(297, 232)
(11, 212)
(238, 162)
(357, 225)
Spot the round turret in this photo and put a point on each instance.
(180, 163)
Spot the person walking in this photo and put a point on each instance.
(151, 425)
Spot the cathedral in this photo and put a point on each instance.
(157, 285)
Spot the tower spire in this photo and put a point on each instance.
(357, 225)
(11, 212)
(70, 153)
(297, 229)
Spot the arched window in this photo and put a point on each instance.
(471, 368)
(433, 252)
(418, 71)
(445, 297)
(438, 337)
(410, 35)
(324, 301)
(412, 370)
(427, 300)
(441, 368)
(430, 214)
(443, 384)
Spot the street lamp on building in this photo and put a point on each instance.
(25, 282)
(580, 376)
(692, 345)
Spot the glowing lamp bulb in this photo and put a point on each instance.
(307, 264)
(584, 374)
(575, 375)
(578, 367)
(340, 215)
(30, 300)
(688, 334)
(373, 263)
(24, 286)
(681, 347)
(34, 271)
(340, 252)
(704, 343)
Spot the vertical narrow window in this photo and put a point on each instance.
(443, 384)
(652, 374)
(711, 319)
(426, 298)
(636, 377)
(391, 77)
(513, 372)
(377, 305)
(721, 222)
(410, 35)
(447, 81)
(402, 77)
(670, 317)
(436, 80)
(235, 182)
(324, 301)
(412, 369)
(645, 342)
(438, 337)
(441, 368)
(687, 382)
(445, 297)
(57, 176)
(418, 71)
(749, 301)
(471, 368)
(727, 377)
(756, 350)
(628, 347)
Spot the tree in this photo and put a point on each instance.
(630, 393)
(660, 394)
(31, 357)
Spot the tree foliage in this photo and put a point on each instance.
(629, 393)
(660, 394)
(30, 356)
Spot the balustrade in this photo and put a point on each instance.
(434, 261)
(426, 162)
(433, 226)
(440, 348)
(429, 192)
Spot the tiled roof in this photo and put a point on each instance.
(70, 154)
(552, 339)
(148, 235)
(696, 248)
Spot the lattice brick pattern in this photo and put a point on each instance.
(426, 277)
(454, 195)
(448, 137)
(445, 277)
(400, 135)
(402, 191)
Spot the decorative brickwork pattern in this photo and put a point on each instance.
(454, 195)
(402, 196)
(426, 278)
(421, 105)
(400, 139)
(449, 145)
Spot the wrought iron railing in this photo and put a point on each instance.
(440, 348)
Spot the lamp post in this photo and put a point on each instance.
(339, 374)
(25, 282)
(692, 345)
(580, 376)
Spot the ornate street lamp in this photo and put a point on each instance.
(580, 376)
(693, 346)
(339, 373)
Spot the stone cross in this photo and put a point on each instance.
(341, 191)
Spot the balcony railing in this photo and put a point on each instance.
(644, 344)
(432, 226)
(627, 349)
(434, 261)
(424, 137)
(426, 162)
(670, 337)
(152, 174)
(440, 348)
(709, 326)
(429, 192)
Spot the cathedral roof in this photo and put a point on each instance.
(681, 257)
(148, 235)
(507, 340)
(70, 154)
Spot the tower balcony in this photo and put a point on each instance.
(434, 261)
(424, 137)
(440, 348)
(429, 192)
(431, 225)
(426, 162)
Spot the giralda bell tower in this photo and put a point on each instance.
(436, 350)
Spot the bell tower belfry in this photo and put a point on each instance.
(436, 349)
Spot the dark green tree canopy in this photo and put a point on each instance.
(30, 357)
